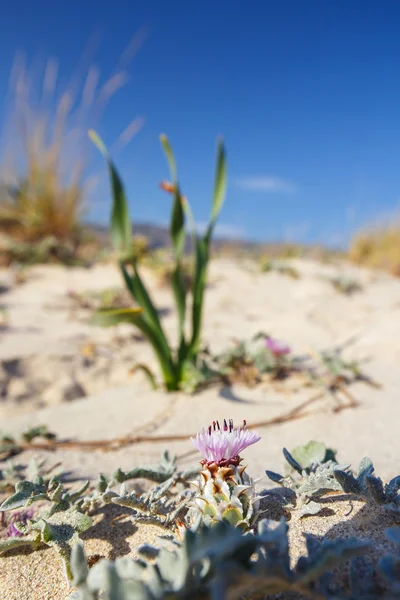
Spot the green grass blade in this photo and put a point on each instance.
(219, 188)
(109, 317)
(178, 237)
(150, 313)
(199, 284)
(121, 228)
(170, 156)
(147, 372)
(179, 290)
(177, 225)
(166, 365)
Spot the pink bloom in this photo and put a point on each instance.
(277, 348)
(21, 516)
(224, 445)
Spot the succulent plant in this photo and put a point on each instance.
(371, 488)
(225, 490)
(165, 505)
(218, 562)
(320, 475)
(56, 525)
(311, 481)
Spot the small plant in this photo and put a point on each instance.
(10, 446)
(217, 562)
(346, 285)
(165, 505)
(268, 266)
(59, 525)
(247, 362)
(174, 362)
(319, 475)
(99, 299)
(210, 543)
(225, 491)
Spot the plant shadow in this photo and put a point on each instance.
(228, 394)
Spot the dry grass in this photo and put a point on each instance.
(378, 247)
(45, 176)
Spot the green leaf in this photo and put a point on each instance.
(150, 313)
(311, 453)
(148, 373)
(17, 542)
(179, 290)
(170, 157)
(199, 284)
(79, 566)
(219, 189)
(164, 358)
(26, 492)
(232, 516)
(109, 317)
(121, 228)
(177, 225)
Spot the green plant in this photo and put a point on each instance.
(59, 525)
(175, 363)
(268, 266)
(319, 474)
(208, 555)
(346, 285)
(217, 563)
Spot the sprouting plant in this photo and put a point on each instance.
(12, 473)
(216, 562)
(371, 488)
(174, 363)
(316, 474)
(10, 446)
(165, 505)
(247, 362)
(58, 523)
(312, 453)
(310, 480)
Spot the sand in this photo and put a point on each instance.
(47, 337)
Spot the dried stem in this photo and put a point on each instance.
(114, 444)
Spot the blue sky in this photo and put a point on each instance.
(306, 94)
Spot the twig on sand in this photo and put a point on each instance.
(296, 413)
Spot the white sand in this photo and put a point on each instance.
(307, 313)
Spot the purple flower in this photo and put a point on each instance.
(277, 348)
(21, 516)
(224, 445)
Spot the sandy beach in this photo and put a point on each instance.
(75, 378)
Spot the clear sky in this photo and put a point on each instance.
(306, 94)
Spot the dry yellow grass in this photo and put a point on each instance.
(44, 171)
(378, 247)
